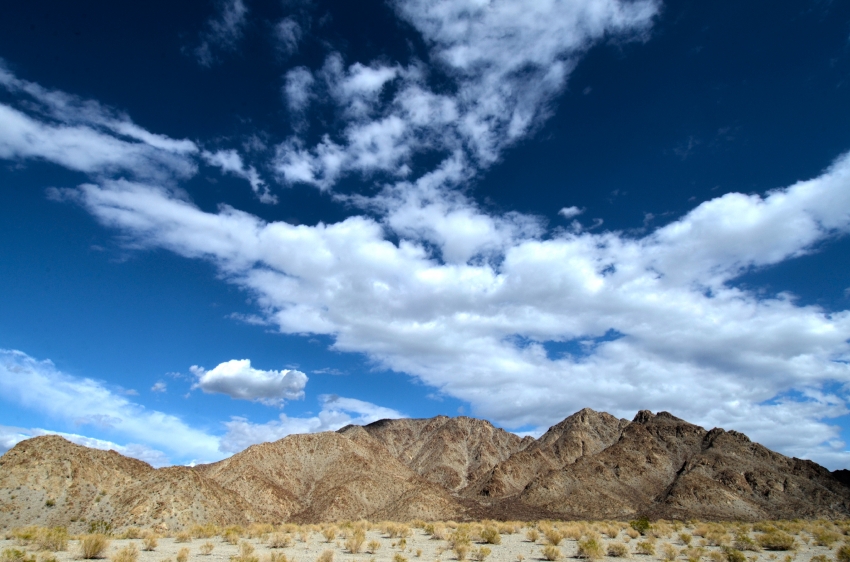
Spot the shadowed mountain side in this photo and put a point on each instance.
(328, 477)
(453, 452)
(584, 433)
(665, 467)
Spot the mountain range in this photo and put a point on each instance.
(591, 465)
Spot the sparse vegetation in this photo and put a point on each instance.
(552, 552)
(182, 555)
(326, 556)
(641, 525)
(479, 554)
(843, 553)
(590, 548)
(93, 546)
(127, 554)
(207, 548)
(149, 542)
(491, 535)
(734, 555)
(618, 550)
(776, 540)
(183, 536)
(532, 535)
(280, 540)
(645, 547)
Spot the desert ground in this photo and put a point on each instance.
(803, 541)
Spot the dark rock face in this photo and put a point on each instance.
(589, 466)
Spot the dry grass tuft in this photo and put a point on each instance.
(182, 555)
(127, 554)
(618, 550)
(207, 548)
(93, 546)
(326, 556)
(552, 553)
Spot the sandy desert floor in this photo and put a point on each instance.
(420, 546)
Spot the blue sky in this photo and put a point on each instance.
(226, 221)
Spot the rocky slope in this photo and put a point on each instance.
(50, 481)
(590, 466)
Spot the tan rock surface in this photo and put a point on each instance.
(328, 477)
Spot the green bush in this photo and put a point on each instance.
(641, 525)
(734, 555)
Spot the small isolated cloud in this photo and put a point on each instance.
(159, 387)
(223, 32)
(229, 161)
(570, 212)
(288, 34)
(237, 379)
(337, 412)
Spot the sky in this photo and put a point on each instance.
(226, 221)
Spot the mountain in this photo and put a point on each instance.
(589, 466)
(50, 481)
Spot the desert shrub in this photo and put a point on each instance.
(552, 552)
(326, 556)
(825, 537)
(745, 542)
(734, 555)
(399, 558)
(819, 558)
(280, 540)
(532, 534)
(553, 535)
(15, 555)
(183, 536)
(100, 527)
(641, 525)
(47, 557)
(182, 555)
(776, 540)
(207, 548)
(479, 554)
(685, 538)
(354, 543)
(645, 547)
(717, 537)
(207, 531)
(590, 548)
(461, 550)
(132, 533)
(373, 546)
(397, 530)
(93, 546)
(631, 533)
(716, 556)
(491, 535)
(573, 532)
(246, 553)
(610, 530)
(618, 550)
(329, 533)
(693, 553)
(231, 536)
(668, 552)
(275, 557)
(150, 542)
(127, 554)
(843, 554)
(54, 539)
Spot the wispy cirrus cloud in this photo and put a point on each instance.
(222, 32)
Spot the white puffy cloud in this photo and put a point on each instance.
(506, 61)
(237, 379)
(11, 436)
(37, 385)
(658, 320)
(223, 32)
(336, 412)
(159, 386)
